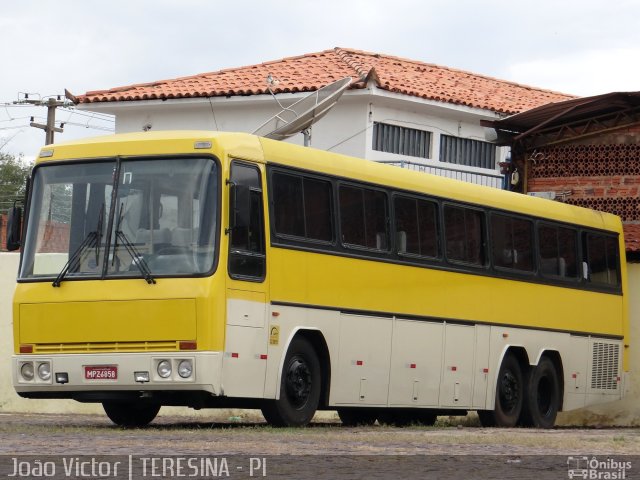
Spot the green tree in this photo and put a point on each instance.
(13, 176)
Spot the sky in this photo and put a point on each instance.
(580, 47)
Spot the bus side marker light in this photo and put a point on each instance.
(575, 375)
(262, 356)
(505, 335)
(412, 365)
(485, 370)
(275, 314)
(358, 363)
(26, 348)
(454, 368)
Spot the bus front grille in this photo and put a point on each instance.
(98, 347)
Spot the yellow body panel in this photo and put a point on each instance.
(108, 321)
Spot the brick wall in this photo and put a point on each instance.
(602, 173)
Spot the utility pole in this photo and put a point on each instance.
(51, 104)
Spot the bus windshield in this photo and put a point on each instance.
(121, 219)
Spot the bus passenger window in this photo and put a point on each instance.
(557, 251)
(464, 235)
(602, 259)
(363, 218)
(416, 227)
(302, 207)
(512, 242)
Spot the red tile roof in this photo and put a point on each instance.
(314, 70)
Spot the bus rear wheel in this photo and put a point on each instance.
(543, 394)
(509, 396)
(299, 387)
(131, 414)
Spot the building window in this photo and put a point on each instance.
(401, 140)
(464, 151)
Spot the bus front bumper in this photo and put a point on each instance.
(101, 375)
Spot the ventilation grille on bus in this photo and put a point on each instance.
(97, 347)
(604, 372)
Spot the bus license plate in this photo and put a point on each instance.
(101, 372)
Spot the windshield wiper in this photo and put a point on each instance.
(74, 260)
(136, 258)
(92, 240)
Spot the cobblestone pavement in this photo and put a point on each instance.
(325, 447)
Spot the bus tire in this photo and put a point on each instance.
(354, 417)
(131, 414)
(299, 387)
(543, 394)
(509, 396)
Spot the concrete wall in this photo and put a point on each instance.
(624, 412)
(9, 400)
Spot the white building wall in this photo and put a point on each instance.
(346, 129)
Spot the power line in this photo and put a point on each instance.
(52, 103)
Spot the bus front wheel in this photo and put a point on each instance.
(131, 414)
(299, 387)
(509, 396)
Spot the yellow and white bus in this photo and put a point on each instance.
(207, 269)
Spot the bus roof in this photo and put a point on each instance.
(250, 147)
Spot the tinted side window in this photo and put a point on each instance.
(363, 217)
(288, 204)
(512, 242)
(558, 251)
(602, 259)
(246, 245)
(416, 226)
(464, 235)
(302, 207)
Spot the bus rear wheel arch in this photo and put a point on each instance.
(509, 396)
(300, 387)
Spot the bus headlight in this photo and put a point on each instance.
(26, 370)
(164, 368)
(185, 368)
(44, 371)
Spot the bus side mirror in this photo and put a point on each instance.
(240, 206)
(14, 228)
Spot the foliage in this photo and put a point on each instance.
(13, 175)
